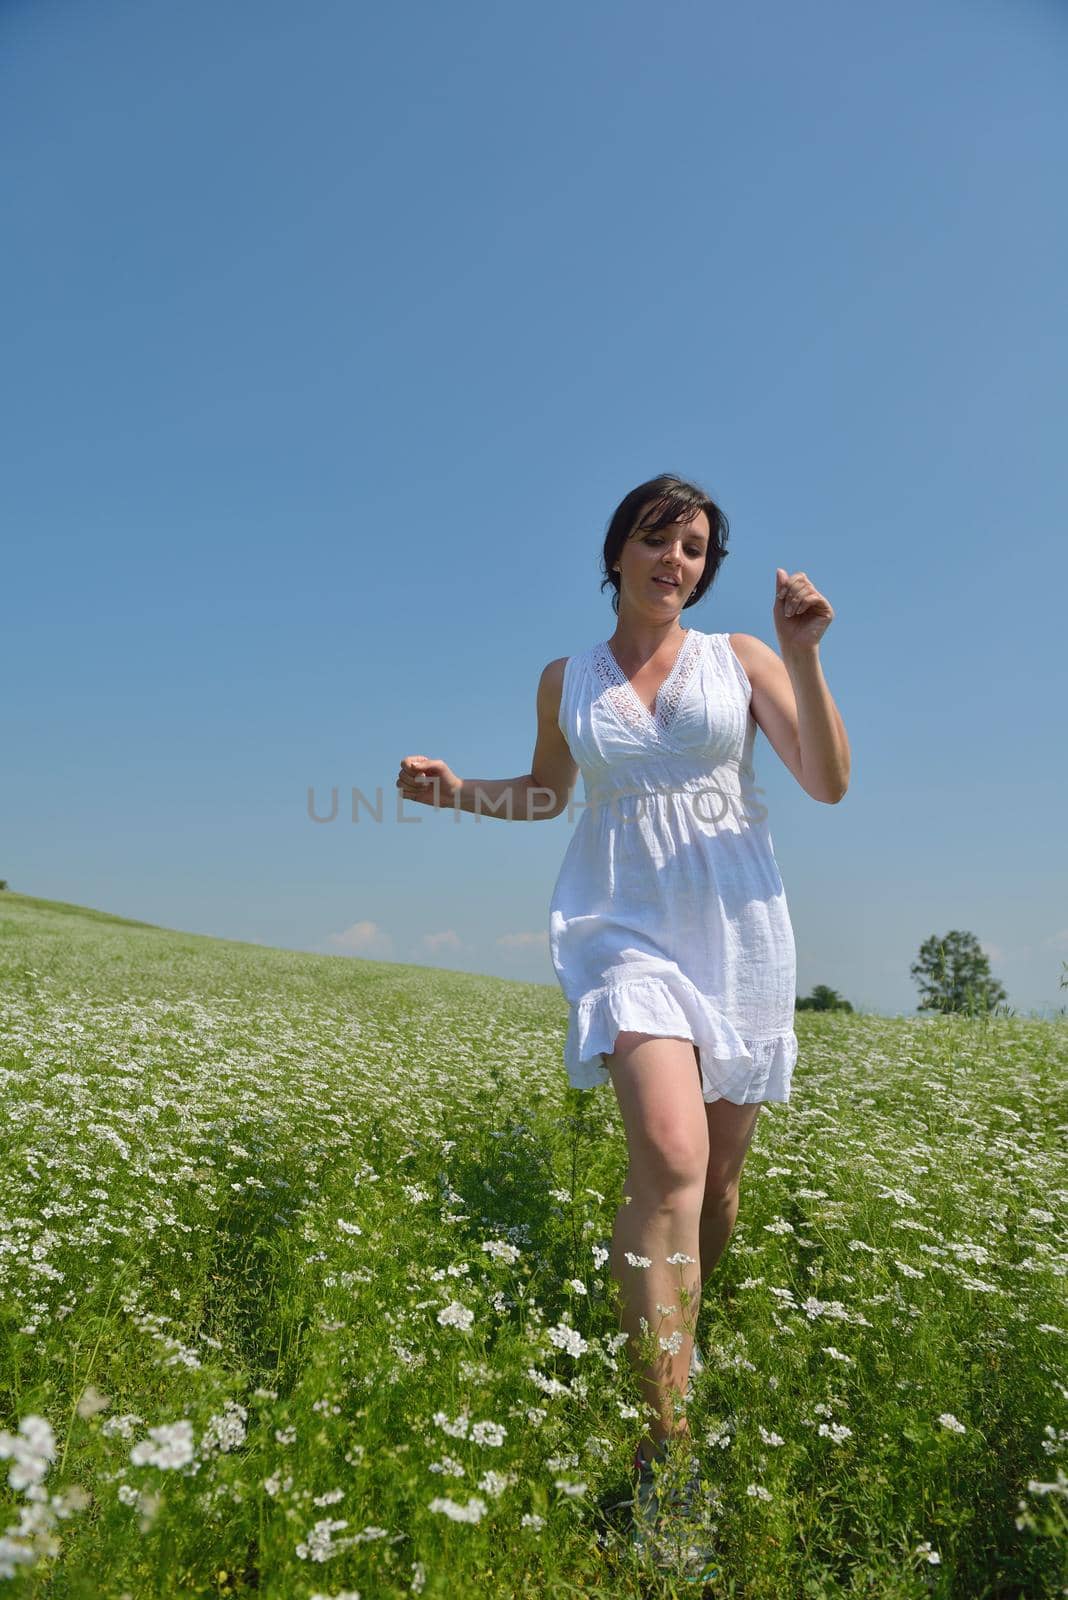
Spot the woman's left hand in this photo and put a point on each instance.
(801, 614)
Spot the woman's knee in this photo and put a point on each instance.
(730, 1133)
(668, 1170)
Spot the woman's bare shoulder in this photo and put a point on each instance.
(551, 683)
(751, 652)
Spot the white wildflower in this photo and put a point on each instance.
(226, 1432)
(123, 1426)
(456, 1315)
(92, 1401)
(31, 1451)
(1060, 1487)
(569, 1339)
(474, 1510)
(547, 1385)
(495, 1483)
(169, 1446)
(320, 1544)
(501, 1251)
(492, 1433)
(457, 1429)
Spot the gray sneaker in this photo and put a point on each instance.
(670, 1524)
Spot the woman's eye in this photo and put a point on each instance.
(655, 538)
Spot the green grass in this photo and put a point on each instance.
(243, 1184)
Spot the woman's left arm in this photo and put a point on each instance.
(790, 698)
(802, 616)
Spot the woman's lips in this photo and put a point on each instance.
(665, 583)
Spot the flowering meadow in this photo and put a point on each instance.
(304, 1292)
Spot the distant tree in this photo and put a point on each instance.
(3, 883)
(954, 975)
(823, 999)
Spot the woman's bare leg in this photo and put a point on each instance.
(730, 1132)
(659, 1093)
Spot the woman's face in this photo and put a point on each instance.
(677, 552)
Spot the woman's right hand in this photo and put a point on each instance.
(416, 781)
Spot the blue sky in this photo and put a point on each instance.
(333, 336)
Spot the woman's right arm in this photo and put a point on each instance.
(537, 796)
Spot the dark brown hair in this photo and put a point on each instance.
(665, 499)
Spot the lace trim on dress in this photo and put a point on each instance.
(671, 692)
(624, 699)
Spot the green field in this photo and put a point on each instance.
(302, 1271)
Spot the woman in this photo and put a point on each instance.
(669, 929)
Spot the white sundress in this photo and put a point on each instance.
(669, 916)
